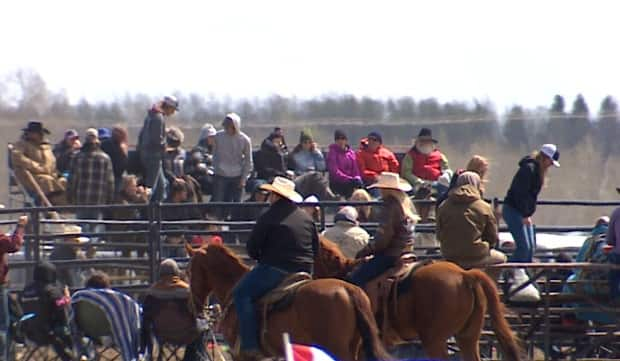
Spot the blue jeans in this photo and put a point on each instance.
(372, 269)
(5, 340)
(154, 178)
(614, 276)
(523, 235)
(255, 284)
(226, 189)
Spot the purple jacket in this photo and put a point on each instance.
(342, 164)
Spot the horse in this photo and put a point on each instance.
(442, 300)
(328, 312)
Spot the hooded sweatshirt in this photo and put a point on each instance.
(342, 164)
(233, 153)
(466, 226)
(525, 186)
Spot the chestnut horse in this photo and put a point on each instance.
(329, 312)
(442, 301)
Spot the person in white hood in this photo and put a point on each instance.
(232, 160)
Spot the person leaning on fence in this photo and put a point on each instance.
(151, 145)
(344, 173)
(171, 289)
(50, 302)
(283, 241)
(395, 235)
(520, 201)
(232, 161)
(8, 244)
(34, 165)
(613, 239)
(66, 150)
(466, 227)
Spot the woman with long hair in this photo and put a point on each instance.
(395, 234)
(520, 201)
(477, 164)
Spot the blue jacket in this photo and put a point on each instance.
(525, 186)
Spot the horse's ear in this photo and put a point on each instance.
(189, 249)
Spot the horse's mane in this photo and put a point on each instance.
(331, 258)
(330, 247)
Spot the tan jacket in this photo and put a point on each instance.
(349, 237)
(39, 160)
(395, 234)
(466, 226)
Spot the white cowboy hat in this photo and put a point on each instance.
(74, 230)
(284, 187)
(390, 180)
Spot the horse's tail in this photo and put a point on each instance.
(366, 324)
(508, 341)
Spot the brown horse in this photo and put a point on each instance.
(328, 312)
(443, 300)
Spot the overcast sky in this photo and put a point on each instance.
(505, 51)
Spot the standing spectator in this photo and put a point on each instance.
(232, 161)
(373, 159)
(8, 244)
(175, 154)
(104, 134)
(613, 239)
(344, 173)
(92, 179)
(35, 165)
(66, 150)
(117, 149)
(466, 227)
(129, 193)
(424, 164)
(520, 201)
(151, 145)
(270, 161)
(199, 162)
(346, 232)
(51, 322)
(307, 157)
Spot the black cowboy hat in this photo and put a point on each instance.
(36, 127)
(426, 134)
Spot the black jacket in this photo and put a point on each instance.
(119, 159)
(269, 161)
(284, 237)
(525, 186)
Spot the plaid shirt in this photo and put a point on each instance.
(92, 178)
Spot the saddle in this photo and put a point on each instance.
(383, 293)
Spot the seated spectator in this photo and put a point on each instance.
(365, 213)
(270, 161)
(199, 161)
(477, 164)
(307, 157)
(50, 303)
(344, 173)
(613, 240)
(314, 211)
(425, 166)
(34, 165)
(130, 193)
(175, 154)
(70, 248)
(166, 306)
(373, 159)
(346, 232)
(66, 150)
(283, 146)
(98, 280)
(466, 227)
(116, 148)
(179, 193)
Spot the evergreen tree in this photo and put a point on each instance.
(515, 129)
(608, 126)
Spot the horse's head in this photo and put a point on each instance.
(199, 284)
(330, 262)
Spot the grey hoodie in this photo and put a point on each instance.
(232, 156)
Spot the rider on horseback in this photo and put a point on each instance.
(395, 234)
(283, 241)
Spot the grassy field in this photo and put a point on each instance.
(583, 175)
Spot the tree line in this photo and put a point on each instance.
(25, 95)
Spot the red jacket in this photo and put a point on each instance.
(427, 167)
(8, 245)
(374, 163)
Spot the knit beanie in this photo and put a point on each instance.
(339, 134)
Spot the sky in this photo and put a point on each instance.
(506, 51)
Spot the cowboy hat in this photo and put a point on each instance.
(36, 127)
(284, 187)
(75, 232)
(390, 180)
(426, 135)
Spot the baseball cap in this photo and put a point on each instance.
(171, 101)
(551, 151)
(71, 133)
(92, 133)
